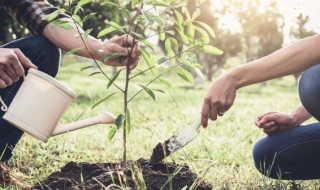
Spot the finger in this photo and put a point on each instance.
(213, 113)
(265, 119)
(134, 65)
(24, 60)
(10, 72)
(261, 116)
(4, 77)
(2, 84)
(135, 52)
(267, 125)
(270, 130)
(126, 40)
(205, 114)
(18, 69)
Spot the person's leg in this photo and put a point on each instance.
(294, 153)
(46, 56)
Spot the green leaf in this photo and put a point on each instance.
(185, 75)
(162, 36)
(167, 45)
(95, 73)
(159, 90)
(207, 28)
(103, 99)
(139, 36)
(204, 35)
(111, 56)
(106, 31)
(62, 24)
(195, 14)
(175, 44)
(128, 121)
(188, 63)
(116, 26)
(190, 30)
(197, 70)
(111, 133)
(88, 17)
(212, 50)
(184, 38)
(185, 187)
(172, 55)
(146, 56)
(134, 3)
(73, 51)
(179, 18)
(113, 78)
(109, 4)
(148, 18)
(148, 91)
(149, 44)
(80, 4)
(166, 83)
(87, 33)
(186, 12)
(87, 67)
(119, 121)
(160, 21)
(77, 19)
(162, 60)
(160, 4)
(52, 15)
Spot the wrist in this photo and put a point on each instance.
(96, 49)
(235, 78)
(299, 116)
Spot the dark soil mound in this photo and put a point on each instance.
(141, 175)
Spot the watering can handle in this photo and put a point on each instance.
(4, 107)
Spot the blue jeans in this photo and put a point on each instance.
(294, 153)
(46, 56)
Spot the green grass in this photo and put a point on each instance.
(222, 153)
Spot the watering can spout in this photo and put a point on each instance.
(101, 118)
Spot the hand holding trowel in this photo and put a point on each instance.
(176, 142)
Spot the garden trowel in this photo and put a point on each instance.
(176, 142)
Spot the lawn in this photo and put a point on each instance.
(221, 153)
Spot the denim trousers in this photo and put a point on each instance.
(46, 57)
(294, 154)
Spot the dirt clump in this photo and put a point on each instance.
(139, 175)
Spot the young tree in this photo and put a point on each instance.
(144, 20)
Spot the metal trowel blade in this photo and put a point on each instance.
(176, 142)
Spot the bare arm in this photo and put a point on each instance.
(292, 59)
(70, 39)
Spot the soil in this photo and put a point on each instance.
(141, 175)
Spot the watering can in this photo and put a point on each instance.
(40, 103)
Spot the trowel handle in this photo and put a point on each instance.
(197, 124)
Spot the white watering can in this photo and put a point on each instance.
(40, 103)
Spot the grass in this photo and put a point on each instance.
(221, 153)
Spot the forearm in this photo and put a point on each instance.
(71, 39)
(292, 59)
(300, 115)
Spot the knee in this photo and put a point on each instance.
(49, 56)
(265, 159)
(309, 90)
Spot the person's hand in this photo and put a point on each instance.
(219, 99)
(273, 122)
(11, 66)
(121, 44)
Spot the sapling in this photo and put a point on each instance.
(145, 20)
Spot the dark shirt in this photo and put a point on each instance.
(31, 13)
